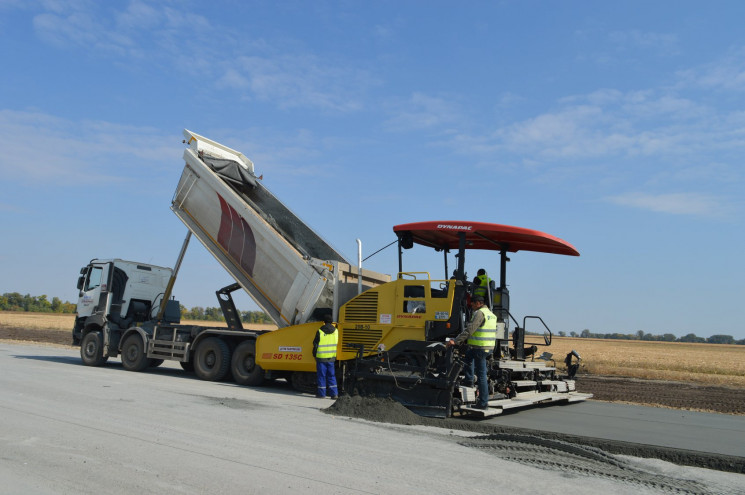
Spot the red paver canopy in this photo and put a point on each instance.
(491, 236)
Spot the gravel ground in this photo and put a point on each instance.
(68, 428)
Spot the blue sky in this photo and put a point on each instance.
(617, 126)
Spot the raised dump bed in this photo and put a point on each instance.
(287, 268)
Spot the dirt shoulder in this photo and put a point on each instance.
(37, 335)
(658, 393)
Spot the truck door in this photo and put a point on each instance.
(94, 284)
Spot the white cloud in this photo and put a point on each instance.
(138, 16)
(727, 73)
(297, 81)
(423, 111)
(43, 148)
(153, 33)
(77, 28)
(510, 99)
(609, 139)
(614, 125)
(695, 204)
(10, 208)
(663, 44)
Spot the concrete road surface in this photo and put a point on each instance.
(67, 428)
(701, 432)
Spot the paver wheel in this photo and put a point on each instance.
(212, 359)
(244, 367)
(133, 354)
(91, 349)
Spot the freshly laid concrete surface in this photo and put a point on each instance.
(690, 430)
(67, 428)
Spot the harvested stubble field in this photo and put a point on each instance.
(704, 377)
(707, 364)
(700, 377)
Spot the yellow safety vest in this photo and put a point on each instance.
(327, 344)
(482, 289)
(486, 335)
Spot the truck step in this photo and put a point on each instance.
(167, 349)
(524, 383)
(523, 399)
(482, 413)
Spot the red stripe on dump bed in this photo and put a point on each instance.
(236, 237)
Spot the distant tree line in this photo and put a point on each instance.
(215, 314)
(13, 301)
(667, 337)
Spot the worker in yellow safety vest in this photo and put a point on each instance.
(481, 336)
(481, 284)
(324, 350)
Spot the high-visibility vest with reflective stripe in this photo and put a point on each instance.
(481, 290)
(327, 344)
(486, 335)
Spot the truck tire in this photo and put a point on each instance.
(91, 349)
(187, 366)
(133, 354)
(244, 367)
(212, 359)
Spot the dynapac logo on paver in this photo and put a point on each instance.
(454, 227)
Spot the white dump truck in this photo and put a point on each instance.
(392, 333)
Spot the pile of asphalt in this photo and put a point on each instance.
(386, 410)
(381, 410)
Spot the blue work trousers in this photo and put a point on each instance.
(476, 358)
(326, 379)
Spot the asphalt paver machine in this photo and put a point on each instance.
(425, 374)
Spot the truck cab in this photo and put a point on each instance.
(114, 295)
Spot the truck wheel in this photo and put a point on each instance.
(212, 359)
(187, 365)
(244, 367)
(91, 349)
(133, 354)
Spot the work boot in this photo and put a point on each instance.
(483, 407)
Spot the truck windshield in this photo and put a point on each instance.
(94, 278)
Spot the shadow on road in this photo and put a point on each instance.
(53, 359)
(277, 386)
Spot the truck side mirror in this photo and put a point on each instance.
(83, 270)
(81, 281)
